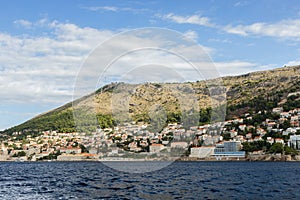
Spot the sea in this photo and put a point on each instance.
(177, 180)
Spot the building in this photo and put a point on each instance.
(202, 152)
(70, 150)
(294, 141)
(155, 148)
(279, 140)
(230, 146)
(270, 140)
(277, 110)
(229, 149)
(3, 150)
(233, 133)
(182, 145)
(242, 127)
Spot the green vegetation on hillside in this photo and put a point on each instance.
(292, 102)
(62, 121)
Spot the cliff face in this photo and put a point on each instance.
(241, 94)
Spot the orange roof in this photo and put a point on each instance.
(88, 154)
(156, 144)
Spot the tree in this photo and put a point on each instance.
(286, 124)
(19, 154)
(254, 146)
(226, 136)
(290, 151)
(276, 148)
(83, 149)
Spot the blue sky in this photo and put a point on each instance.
(44, 43)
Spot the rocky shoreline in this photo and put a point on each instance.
(263, 157)
(272, 157)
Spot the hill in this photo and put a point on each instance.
(119, 102)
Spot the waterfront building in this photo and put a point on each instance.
(201, 152)
(294, 141)
(229, 149)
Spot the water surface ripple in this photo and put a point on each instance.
(180, 180)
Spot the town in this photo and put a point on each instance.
(252, 135)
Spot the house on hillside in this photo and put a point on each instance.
(154, 148)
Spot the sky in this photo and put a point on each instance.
(45, 44)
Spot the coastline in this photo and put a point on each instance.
(248, 158)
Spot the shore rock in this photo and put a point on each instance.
(288, 158)
(297, 157)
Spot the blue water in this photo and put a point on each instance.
(180, 180)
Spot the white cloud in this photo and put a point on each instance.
(289, 29)
(293, 63)
(216, 40)
(103, 8)
(24, 23)
(237, 67)
(44, 68)
(193, 19)
(193, 35)
(116, 9)
(234, 67)
(285, 29)
(240, 4)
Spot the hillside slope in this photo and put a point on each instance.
(251, 92)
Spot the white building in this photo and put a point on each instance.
(294, 141)
(182, 145)
(70, 150)
(202, 152)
